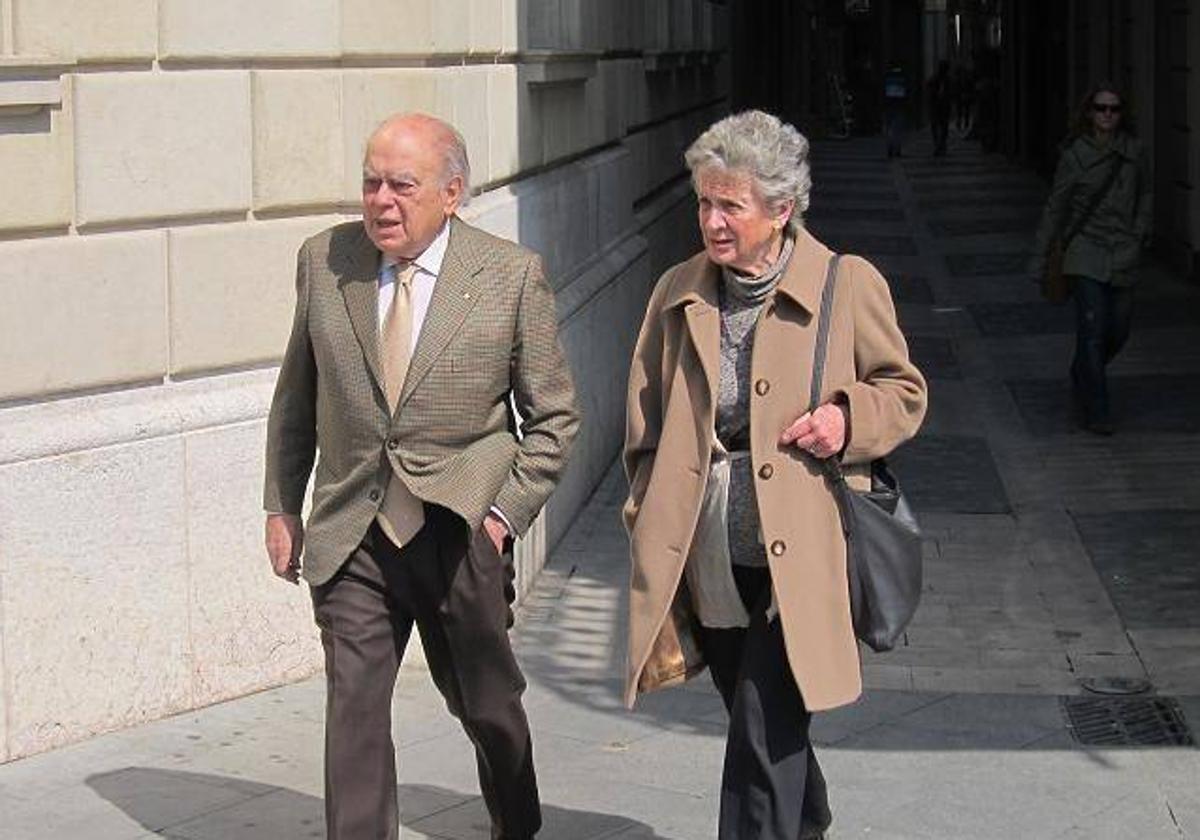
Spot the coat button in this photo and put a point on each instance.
(761, 387)
(778, 548)
(394, 444)
(374, 494)
(766, 471)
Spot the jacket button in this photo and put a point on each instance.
(766, 471)
(761, 387)
(778, 548)
(394, 444)
(374, 494)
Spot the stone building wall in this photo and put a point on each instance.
(160, 162)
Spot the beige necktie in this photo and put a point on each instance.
(401, 515)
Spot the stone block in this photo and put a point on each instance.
(81, 312)
(530, 112)
(232, 29)
(369, 97)
(542, 24)
(298, 154)
(161, 145)
(95, 591)
(233, 291)
(492, 27)
(565, 124)
(463, 100)
(504, 130)
(35, 168)
(260, 631)
(115, 30)
(452, 25)
(387, 27)
(498, 212)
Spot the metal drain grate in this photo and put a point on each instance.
(1127, 722)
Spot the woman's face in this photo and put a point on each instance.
(1106, 112)
(738, 229)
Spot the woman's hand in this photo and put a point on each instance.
(821, 433)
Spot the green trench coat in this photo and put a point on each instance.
(1108, 247)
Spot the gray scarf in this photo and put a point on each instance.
(754, 290)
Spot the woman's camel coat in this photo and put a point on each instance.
(669, 441)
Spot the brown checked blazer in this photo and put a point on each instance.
(491, 329)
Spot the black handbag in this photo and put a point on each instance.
(883, 540)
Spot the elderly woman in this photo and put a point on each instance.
(739, 561)
(1101, 201)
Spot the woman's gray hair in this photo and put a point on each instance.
(773, 153)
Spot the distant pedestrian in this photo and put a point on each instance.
(895, 100)
(964, 97)
(739, 562)
(940, 91)
(1101, 201)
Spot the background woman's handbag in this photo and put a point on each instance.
(883, 540)
(1056, 286)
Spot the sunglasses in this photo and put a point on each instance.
(1104, 108)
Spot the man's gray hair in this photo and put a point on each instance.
(773, 153)
(457, 164)
(454, 149)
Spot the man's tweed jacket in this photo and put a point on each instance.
(491, 328)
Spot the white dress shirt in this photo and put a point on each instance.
(429, 266)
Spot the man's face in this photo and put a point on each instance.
(405, 202)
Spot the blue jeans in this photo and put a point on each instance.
(1103, 317)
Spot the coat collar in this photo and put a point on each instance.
(694, 290)
(696, 282)
(1089, 152)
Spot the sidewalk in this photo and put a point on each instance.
(1053, 558)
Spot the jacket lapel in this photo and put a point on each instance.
(359, 282)
(455, 293)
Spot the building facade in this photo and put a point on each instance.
(160, 162)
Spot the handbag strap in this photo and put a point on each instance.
(1097, 199)
(830, 465)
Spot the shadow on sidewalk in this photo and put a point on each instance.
(179, 804)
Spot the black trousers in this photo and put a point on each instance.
(1103, 319)
(451, 584)
(772, 787)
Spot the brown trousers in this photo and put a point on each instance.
(451, 583)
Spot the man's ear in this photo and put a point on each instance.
(453, 193)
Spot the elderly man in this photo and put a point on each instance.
(412, 330)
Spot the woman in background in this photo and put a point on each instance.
(1102, 195)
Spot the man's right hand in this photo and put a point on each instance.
(285, 540)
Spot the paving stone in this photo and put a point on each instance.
(1002, 319)
(1137, 404)
(949, 227)
(974, 265)
(944, 203)
(935, 357)
(853, 195)
(1147, 560)
(820, 214)
(951, 473)
(869, 245)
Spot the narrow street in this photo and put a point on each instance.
(1057, 563)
